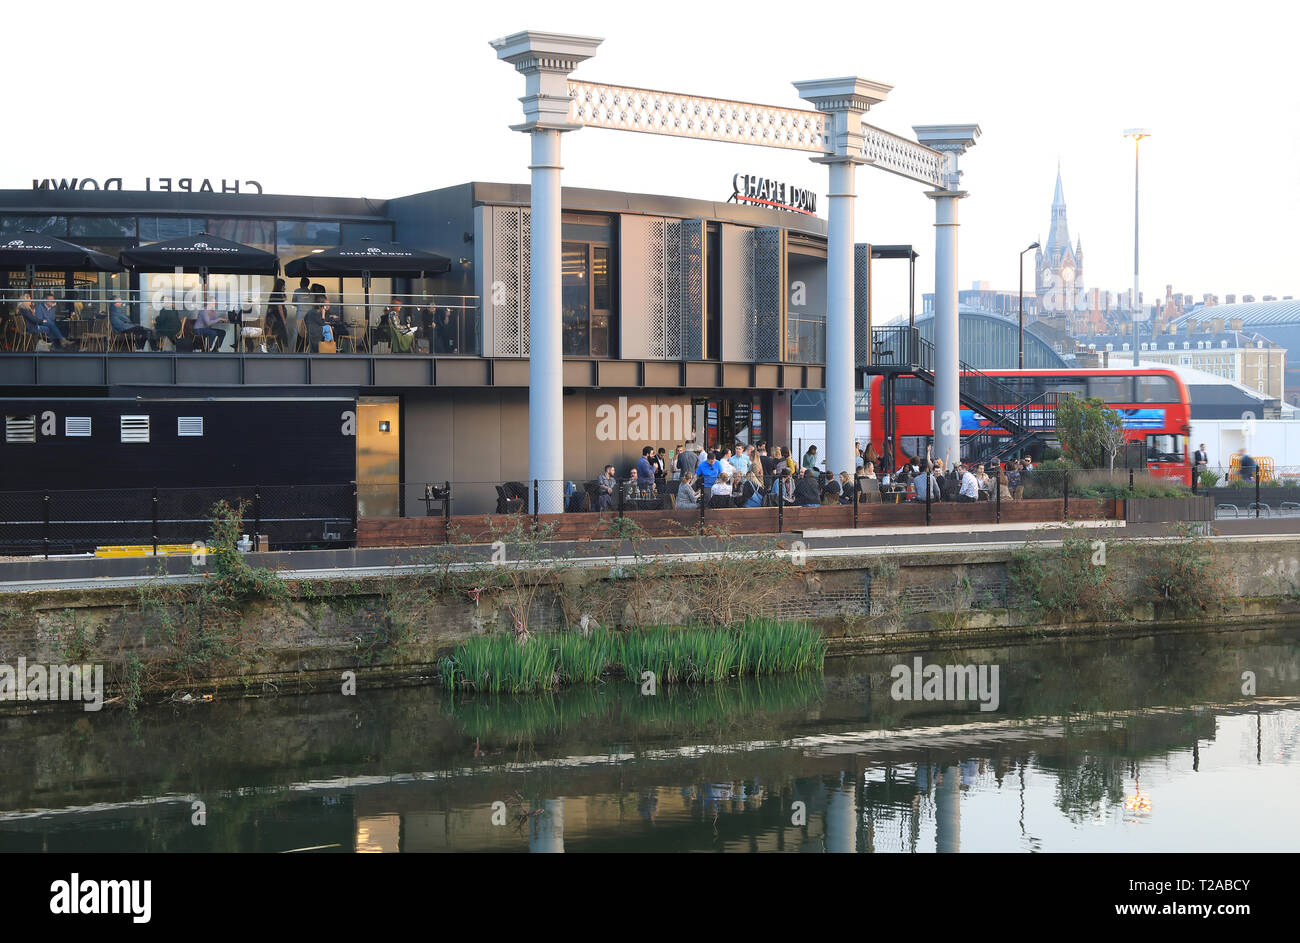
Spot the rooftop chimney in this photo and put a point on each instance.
(1234, 324)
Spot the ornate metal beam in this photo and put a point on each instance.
(621, 108)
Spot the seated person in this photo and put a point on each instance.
(751, 492)
(167, 326)
(208, 326)
(831, 492)
(40, 319)
(807, 491)
(121, 323)
(783, 486)
(720, 493)
(846, 488)
(686, 496)
(401, 335)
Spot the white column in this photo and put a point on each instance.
(843, 101)
(947, 389)
(545, 60)
(545, 362)
(840, 398)
(952, 140)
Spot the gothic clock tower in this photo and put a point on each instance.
(1059, 265)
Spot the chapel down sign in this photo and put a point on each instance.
(834, 133)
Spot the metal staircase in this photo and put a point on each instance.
(1017, 420)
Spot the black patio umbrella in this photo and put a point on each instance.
(364, 259)
(31, 251)
(201, 254)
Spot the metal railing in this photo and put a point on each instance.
(390, 323)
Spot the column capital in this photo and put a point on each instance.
(545, 61)
(951, 140)
(843, 101)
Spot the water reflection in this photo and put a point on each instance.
(1134, 744)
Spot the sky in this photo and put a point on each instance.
(387, 98)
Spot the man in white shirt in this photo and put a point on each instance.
(970, 486)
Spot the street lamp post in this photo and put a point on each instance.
(1020, 359)
(1137, 134)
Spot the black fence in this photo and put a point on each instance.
(289, 516)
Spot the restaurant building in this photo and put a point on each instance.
(680, 316)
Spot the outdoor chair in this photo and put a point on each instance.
(592, 491)
(252, 333)
(100, 336)
(510, 497)
(869, 491)
(19, 338)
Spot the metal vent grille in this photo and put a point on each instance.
(20, 429)
(861, 304)
(135, 428)
(76, 426)
(768, 294)
(510, 265)
(685, 312)
(189, 425)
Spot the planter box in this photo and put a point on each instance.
(1159, 510)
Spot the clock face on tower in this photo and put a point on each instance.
(1067, 273)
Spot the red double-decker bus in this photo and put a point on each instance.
(1152, 404)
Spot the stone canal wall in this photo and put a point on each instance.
(161, 636)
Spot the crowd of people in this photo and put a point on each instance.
(757, 475)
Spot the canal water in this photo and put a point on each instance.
(1135, 744)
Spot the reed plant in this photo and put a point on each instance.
(689, 655)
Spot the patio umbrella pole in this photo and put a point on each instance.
(365, 287)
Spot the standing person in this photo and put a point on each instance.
(806, 490)
(277, 318)
(725, 461)
(709, 470)
(302, 305)
(789, 461)
(768, 462)
(810, 458)
(687, 459)
(1200, 460)
(645, 473)
(1013, 481)
(740, 461)
(661, 469)
(1248, 467)
(1026, 474)
(1004, 485)
(605, 485)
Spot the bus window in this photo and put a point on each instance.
(1156, 390)
(1164, 448)
(1073, 385)
(1111, 389)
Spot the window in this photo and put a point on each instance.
(307, 234)
(586, 299)
(20, 429)
(380, 232)
(1156, 390)
(189, 425)
(162, 228)
(135, 428)
(115, 226)
(46, 225)
(1111, 389)
(76, 425)
(1164, 448)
